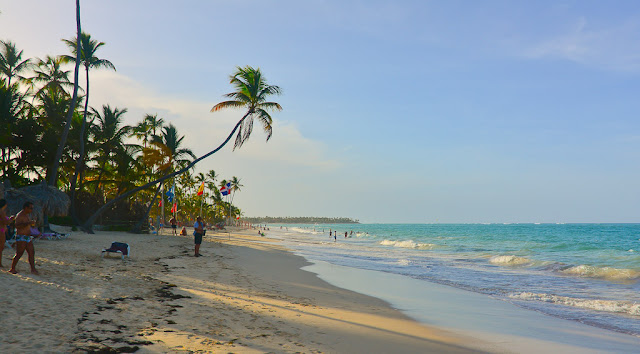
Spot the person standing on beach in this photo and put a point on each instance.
(198, 232)
(174, 225)
(23, 238)
(345, 234)
(335, 236)
(4, 222)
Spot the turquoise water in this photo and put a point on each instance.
(584, 272)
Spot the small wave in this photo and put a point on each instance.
(598, 305)
(404, 262)
(408, 244)
(509, 260)
(305, 231)
(602, 272)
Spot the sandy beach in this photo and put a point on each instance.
(246, 294)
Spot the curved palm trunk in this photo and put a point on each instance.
(53, 180)
(88, 225)
(80, 162)
(137, 228)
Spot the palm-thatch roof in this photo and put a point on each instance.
(46, 200)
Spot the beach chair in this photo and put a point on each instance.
(118, 247)
(52, 236)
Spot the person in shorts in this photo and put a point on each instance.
(174, 226)
(23, 238)
(198, 232)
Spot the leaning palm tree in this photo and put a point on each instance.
(252, 92)
(88, 48)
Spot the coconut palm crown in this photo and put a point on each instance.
(251, 94)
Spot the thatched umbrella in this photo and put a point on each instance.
(47, 201)
(16, 199)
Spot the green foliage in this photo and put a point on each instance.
(300, 220)
(35, 96)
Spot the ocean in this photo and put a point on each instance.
(588, 273)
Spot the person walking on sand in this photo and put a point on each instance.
(23, 238)
(4, 222)
(174, 225)
(198, 232)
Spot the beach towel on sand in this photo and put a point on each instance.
(119, 247)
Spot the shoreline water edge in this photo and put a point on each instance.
(254, 294)
(585, 273)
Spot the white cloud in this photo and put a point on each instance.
(204, 130)
(612, 48)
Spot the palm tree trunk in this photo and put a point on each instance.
(88, 225)
(104, 165)
(53, 180)
(80, 162)
(137, 228)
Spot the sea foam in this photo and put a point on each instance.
(509, 260)
(609, 273)
(408, 244)
(598, 305)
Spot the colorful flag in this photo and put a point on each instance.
(174, 208)
(170, 194)
(226, 189)
(201, 189)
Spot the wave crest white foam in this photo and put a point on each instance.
(602, 272)
(598, 305)
(509, 260)
(408, 244)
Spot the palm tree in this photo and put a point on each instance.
(11, 63)
(13, 105)
(171, 142)
(211, 184)
(49, 72)
(252, 93)
(72, 106)
(235, 186)
(109, 136)
(88, 48)
(146, 129)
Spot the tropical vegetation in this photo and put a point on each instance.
(114, 173)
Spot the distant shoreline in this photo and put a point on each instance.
(300, 220)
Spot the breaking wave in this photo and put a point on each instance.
(598, 305)
(408, 244)
(509, 260)
(608, 273)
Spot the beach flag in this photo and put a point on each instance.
(170, 193)
(226, 189)
(201, 189)
(174, 208)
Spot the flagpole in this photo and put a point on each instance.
(201, 202)
(161, 210)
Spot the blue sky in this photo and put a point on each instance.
(394, 111)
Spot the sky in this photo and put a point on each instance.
(393, 111)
